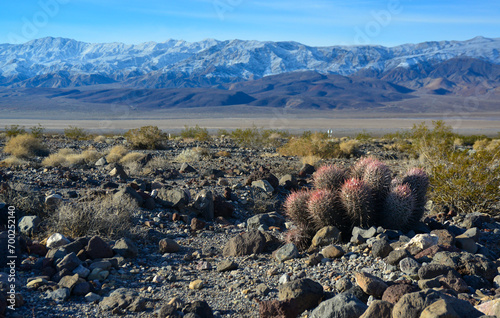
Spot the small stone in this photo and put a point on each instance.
(378, 309)
(371, 284)
(332, 251)
(126, 248)
(28, 225)
(168, 246)
(409, 266)
(287, 252)
(56, 240)
(381, 248)
(69, 262)
(91, 297)
(196, 284)
(69, 281)
(97, 248)
(326, 236)
(227, 265)
(59, 295)
(81, 289)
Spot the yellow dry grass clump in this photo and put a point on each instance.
(24, 146)
(116, 153)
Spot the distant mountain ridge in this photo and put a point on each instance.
(61, 63)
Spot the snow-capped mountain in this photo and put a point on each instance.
(59, 62)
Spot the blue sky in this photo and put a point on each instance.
(312, 22)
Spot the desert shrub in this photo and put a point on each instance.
(310, 160)
(192, 154)
(223, 153)
(349, 147)
(466, 181)
(87, 157)
(195, 132)
(316, 144)
(480, 144)
(493, 146)
(27, 201)
(37, 131)
(105, 216)
(58, 159)
(363, 136)
(100, 139)
(157, 162)
(25, 146)
(223, 132)
(249, 137)
(14, 130)
(13, 161)
(116, 153)
(73, 132)
(146, 137)
(131, 157)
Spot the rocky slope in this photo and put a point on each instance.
(208, 240)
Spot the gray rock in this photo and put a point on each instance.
(186, 168)
(175, 198)
(81, 289)
(263, 185)
(305, 292)
(438, 309)
(343, 284)
(168, 246)
(429, 283)
(120, 298)
(28, 225)
(433, 270)
(227, 265)
(265, 220)
(396, 256)
(59, 295)
(341, 306)
(204, 203)
(252, 242)
(104, 265)
(409, 266)
(288, 181)
(326, 236)
(413, 304)
(82, 271)
(118, 172)
(101, 162)
(91, 297)
(128, 192)
(332, 251)
(467, 241)
(371, 284)
(381, 248)
(365, 233)
(69, 262)
(478, 265)
(53, 200)
(287, 252)
(126, 248)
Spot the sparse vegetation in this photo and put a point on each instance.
(25, 146)
(116, 153)
(14, 130)
(106, 216)
(73, 132)
(192, 154)
(146, 137)
(195, 132)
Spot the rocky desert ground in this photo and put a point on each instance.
(204, 229)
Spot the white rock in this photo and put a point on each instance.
(423, 241)
(56, 240)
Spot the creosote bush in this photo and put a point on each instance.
(73, 132)
(192, 154)
(69, 158)
(146, 137)
(25, 146)
(319, 145)
(195, 132)
(106, 216)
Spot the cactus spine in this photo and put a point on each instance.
(418, 182)
(325, 209)
(356, 197)
(329, 178)
(398, 208)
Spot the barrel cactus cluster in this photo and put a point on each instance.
(364, 195)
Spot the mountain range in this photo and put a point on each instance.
(272, 74)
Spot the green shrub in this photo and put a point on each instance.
(14, 130)
(316, 144)
(146, 137)
(195, 132)
(37, 131)
(76, 133)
